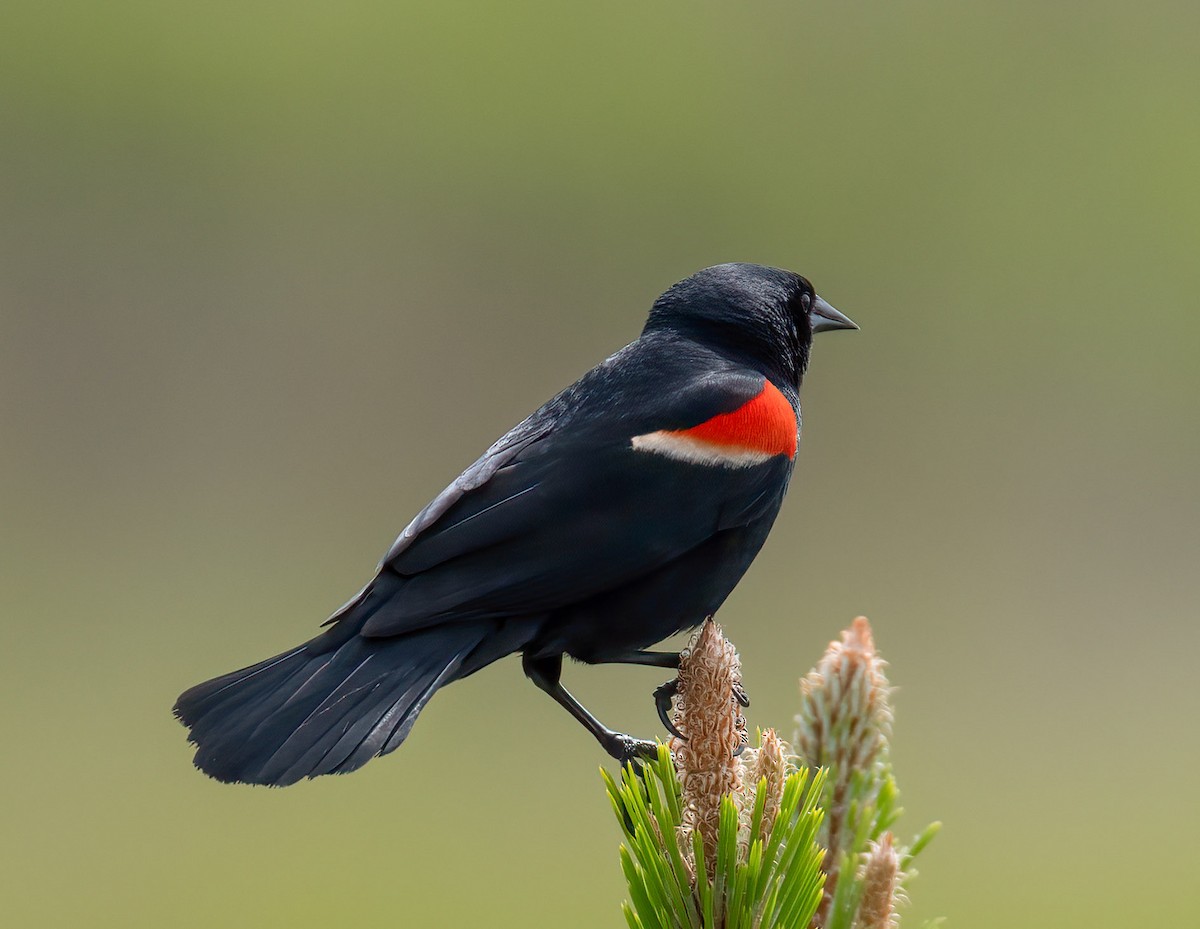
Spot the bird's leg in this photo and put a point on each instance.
(662, 694)
(640, 656)
(665, 693)
(546, 674)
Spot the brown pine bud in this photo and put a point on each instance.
(881, 879)
(768, 764)
(708, 714)
(846, 721)
(845, 725)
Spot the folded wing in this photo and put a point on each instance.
(567, 506)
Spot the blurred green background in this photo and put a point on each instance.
(273, 273)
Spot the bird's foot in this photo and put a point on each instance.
(628, 750)
(740, 695)
(663, 696)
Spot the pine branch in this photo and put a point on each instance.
(718, 838)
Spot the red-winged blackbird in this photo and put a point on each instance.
(622, 511)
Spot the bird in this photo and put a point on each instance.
(622, 511)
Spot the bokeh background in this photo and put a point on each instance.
(273, 273)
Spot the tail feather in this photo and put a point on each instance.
(328, 706)
(206, 706)
(380, 729)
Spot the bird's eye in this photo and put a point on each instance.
(806, 301)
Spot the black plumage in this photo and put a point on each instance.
(623, 510)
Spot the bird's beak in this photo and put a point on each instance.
(822, 316)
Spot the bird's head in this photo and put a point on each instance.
(763, 316)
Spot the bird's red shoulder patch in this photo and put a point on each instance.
(758, 430)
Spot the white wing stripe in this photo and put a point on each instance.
(697, 451)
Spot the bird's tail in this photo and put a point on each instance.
(331, 705)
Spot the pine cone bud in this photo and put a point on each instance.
(708, 714)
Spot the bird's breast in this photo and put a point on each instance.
(757, 431)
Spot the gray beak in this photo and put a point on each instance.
(822, 316)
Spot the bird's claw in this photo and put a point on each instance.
(663, 696)
(743, 700)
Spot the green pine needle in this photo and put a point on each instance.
(755, 885)
(919, 844)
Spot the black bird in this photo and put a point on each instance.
(622, 511)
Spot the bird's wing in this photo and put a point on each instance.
(584, 496)
(502, 452)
